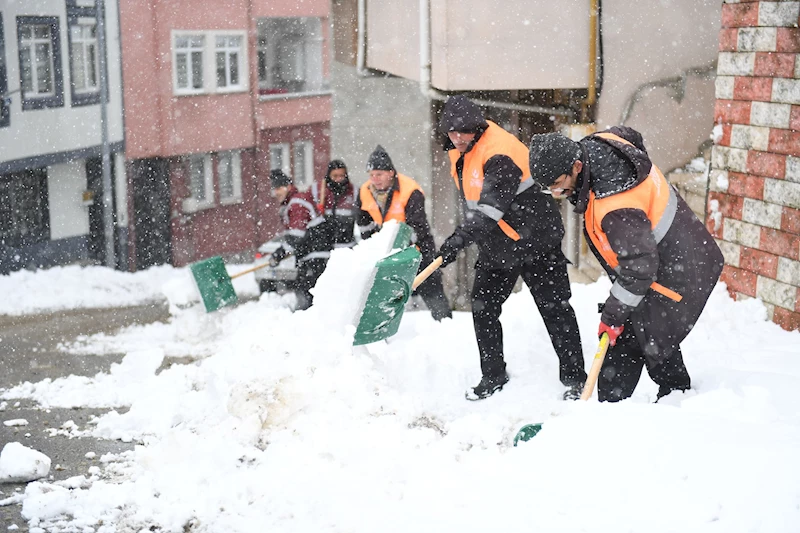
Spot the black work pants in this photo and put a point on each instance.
(548, 283)
(623, 364)
(308, 272)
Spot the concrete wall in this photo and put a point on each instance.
(477, 46)
(652, 43)
(392, 112)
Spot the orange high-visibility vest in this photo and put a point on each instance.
(494, 141)
(397, 207)
(655, 196)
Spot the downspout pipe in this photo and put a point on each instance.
(425, 71)
(361, 51)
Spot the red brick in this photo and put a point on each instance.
(761, 263)
(784, 141)
(766, 163)
(739, 15)
(780, 243)
(731, 112)
(788, 40)
(745, 185)
(771, 64)
(790, 220)
(729, 205)
(747, 88)
(728, 39)
(739, 280)
(788, 320)
(794, 119)
(725, 140)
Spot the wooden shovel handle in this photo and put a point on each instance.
(425, 274)
(597, 364)
(251, 269)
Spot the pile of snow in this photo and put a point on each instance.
(20, 464)
(71, 287)
(285, 426)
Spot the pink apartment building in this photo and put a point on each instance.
(216, 94)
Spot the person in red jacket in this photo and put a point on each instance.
(335, 198)
(305, 235)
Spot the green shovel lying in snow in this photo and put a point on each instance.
(528, 431)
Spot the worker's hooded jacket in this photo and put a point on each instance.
(405, 202)
(663, 261)
(305, 234)
(505, 212)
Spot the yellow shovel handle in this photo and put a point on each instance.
(597, 364)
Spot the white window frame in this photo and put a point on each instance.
(192, 204)
(209, 62)
(31, 43)
(82, 45)
(303, 176)
(286, 161)
(236, 176)
(190, 89)
(241, 61)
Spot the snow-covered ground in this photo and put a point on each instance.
(281, 425)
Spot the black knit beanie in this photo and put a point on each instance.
(379, 160)
(279, 179)
(551, 155)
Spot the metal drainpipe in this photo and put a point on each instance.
(361, 52)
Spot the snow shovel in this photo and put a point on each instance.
(392, 287)
(214, 284)
(528, 431)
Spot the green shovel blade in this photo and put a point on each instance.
(387, 297)
(213, 283)
(527, 432)
(403, 237)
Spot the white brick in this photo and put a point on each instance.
(718, 180)
(757, 39)
(762, 213)
(741, 233)
(736, 63)
(724, 87)
(776, 292)
(750, 137)
(772, 115)
(726, 158)
(778, 13)
(793, 169)
(782, 192)
(789, 271)
(786, 91)
(730, 251)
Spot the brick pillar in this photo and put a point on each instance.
(754, 199)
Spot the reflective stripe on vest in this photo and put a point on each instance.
(397, 207)
(494, 141)
(656, 198)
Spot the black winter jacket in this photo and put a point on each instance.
(532, 214)
(415, 217)
(687, 260)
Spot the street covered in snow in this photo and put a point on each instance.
(277, 423)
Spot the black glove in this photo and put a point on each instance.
(449, 250)
(278, 256)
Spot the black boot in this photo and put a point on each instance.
(487, 387)
(573, 391)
